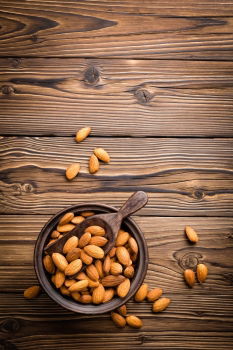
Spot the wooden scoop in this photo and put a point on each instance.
(111, 222)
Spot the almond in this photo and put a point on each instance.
(107, 265)
(60, 261)
(112, 252)
(72, 171)
(122, 238)
(32, 292)
(77, 220)
(123, 288)
(118, 320)
(191, 234)
(53, 279)
(55, 234)
(98, 240)
(69, 283)
(134, 321)
(48, 264)
(189, 277)
(84, 240)
(112, 281)
(76, 296)
(86, 259)
(133, 245)
(122, 310)
(102, 155)
(87, 213)
(80, 285)
(93, 164)
(65, 228)
(160, 304)
(73, 267)
(73, 254)
(108, 295)
(64, 290)
(141, 293)
(95, 230)
(59, 279)
(94, 251)
(116, 268)
(66, 219)
(86, 299)
(91, 283)
(123, 255)
(99, 267)
(98, 294)
(81, 276)
(154, 294)
(202, 272)
(129, 272)
(92, 272)
(82, 134)
(70, 244)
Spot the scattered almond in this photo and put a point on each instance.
(141, 293)
(154, 294)
(118, 320)
(191, 234)
(102, 155)
(202, 272)
(32, 292)
(134, 321)
(72, 171)
(82, 134)
(189, 277)
(122, 310)
(93, 164)
(160, 304)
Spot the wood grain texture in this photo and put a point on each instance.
(181, 176)
(194, 314)
(107, 29)
(116, 97)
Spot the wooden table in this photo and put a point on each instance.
(154, 81)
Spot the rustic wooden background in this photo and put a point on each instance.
(154, 79)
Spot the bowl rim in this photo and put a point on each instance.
(69, 304)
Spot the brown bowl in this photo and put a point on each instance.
(44, 278)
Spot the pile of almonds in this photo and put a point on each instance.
(99, 154)
(102, 277)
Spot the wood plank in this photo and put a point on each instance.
(106, 29)
(116, 97)
(183, 177)
(194, 314)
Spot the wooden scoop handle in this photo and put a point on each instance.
(133, 204)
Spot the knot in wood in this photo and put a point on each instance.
(6, 345)
(91, 76)
(198, 194)
(27, 188)
(9, 325)
(143, 95)
(15, 62)
(190, 260)
(7, 90)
